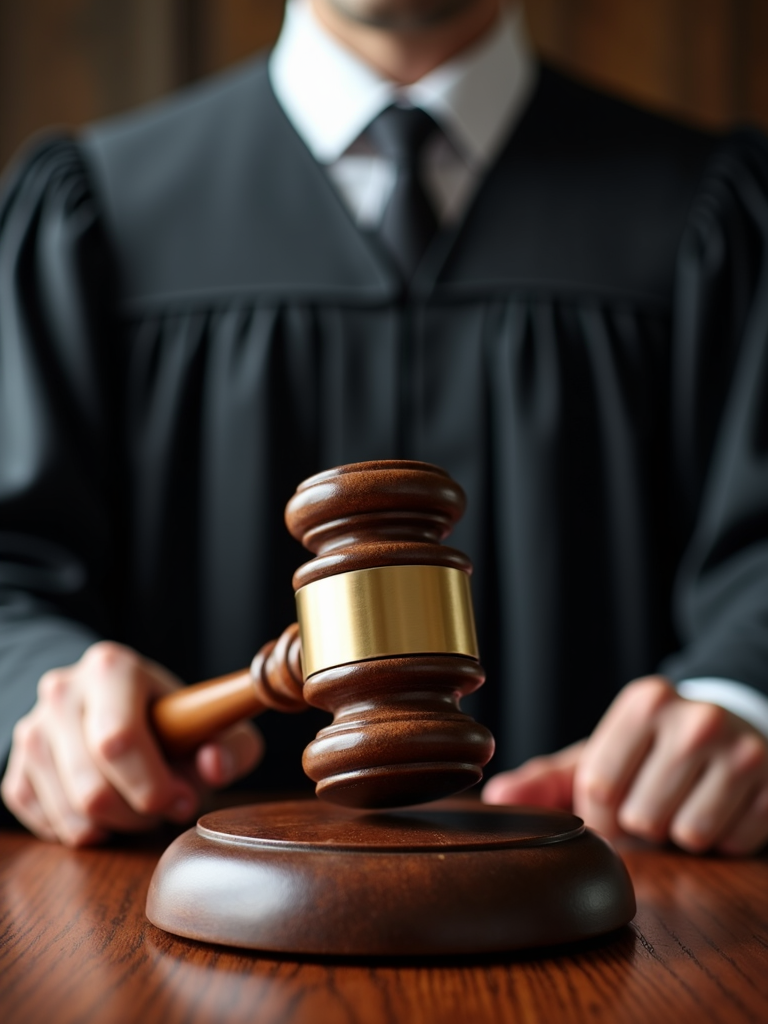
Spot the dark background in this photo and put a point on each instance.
(68, 61)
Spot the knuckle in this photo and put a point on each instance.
(18, 796)
(106, 655)
(647, 696)
(27, 737)
(78, 835)
(148, 801)
(643, 826)
(114, 740)
(54, 685)
(592, 788)
(21, 732)
(689, 839)
(15, 796)
(706, 722)
(95, 801)
(750, 754)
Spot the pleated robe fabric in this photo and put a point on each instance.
(191, 323)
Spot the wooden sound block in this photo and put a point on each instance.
(446, 878)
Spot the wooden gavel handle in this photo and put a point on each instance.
(188, 717)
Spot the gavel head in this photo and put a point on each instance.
(387, 635)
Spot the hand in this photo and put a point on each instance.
(659, 767)
(84, 761)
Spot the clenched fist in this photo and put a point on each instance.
(659, 767)
(84, 761)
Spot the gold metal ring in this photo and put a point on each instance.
(385, 612)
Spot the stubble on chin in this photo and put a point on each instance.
(400, 15)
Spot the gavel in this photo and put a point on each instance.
(385, 641)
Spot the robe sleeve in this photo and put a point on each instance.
(720, 422)
(57, 463)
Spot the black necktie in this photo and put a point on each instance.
(409, 221)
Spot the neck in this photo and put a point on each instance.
(405, 50)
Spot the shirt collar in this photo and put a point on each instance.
(330, 95)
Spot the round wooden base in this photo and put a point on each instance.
(447, 878)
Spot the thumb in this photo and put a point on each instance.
(541, 782)
(230, 755)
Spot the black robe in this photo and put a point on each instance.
(191, 323)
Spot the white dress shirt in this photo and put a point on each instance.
(331, 95)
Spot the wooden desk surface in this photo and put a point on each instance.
(75, 948)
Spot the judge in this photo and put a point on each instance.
(400, 236)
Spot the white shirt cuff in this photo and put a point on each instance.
(738, 698)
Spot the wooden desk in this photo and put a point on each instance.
(75, 948)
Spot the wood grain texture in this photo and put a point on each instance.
(187, 717)
(75, 948)
(63, 62)
(693, 59)
(451, 878)
(231, 30)
(398, 736)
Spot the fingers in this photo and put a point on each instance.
(32, 789)
(750, 833)
(85, 762)
(542, 781)
(615, 751)
(664, 768)
(699, 781)
(92, 798)
(723, 799)
(117, 736)
(17, 791)
(682, 748)
(233, 754)
(69, 825)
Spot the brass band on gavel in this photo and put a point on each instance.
(388, 611)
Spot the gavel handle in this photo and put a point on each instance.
(188, 717)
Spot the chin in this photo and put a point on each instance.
(400, 14)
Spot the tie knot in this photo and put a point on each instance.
(400, 132)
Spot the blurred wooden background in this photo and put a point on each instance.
(68, 61)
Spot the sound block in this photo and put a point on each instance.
(447, 878)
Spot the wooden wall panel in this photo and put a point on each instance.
(66, 61)
(703, 60)
(230, 30)
(752, 63)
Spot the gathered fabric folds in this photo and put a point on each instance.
(191, 324)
